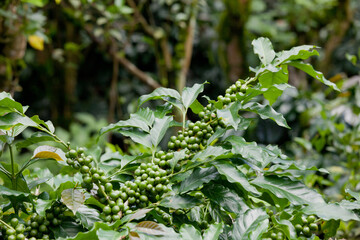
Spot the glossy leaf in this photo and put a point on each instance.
(264, 49)
(230, 115)
(73, 199)
(138, 137)
(179, 201)
(160, 93)
(42, 205)
(234, 175)
(188, 231)
(6, 101)
(108, 234)
(296, 53)
(251, 225)
(159, 129)
(35, 138)
(265, 112)
(213, 232)
(296, 192)
(225, 197)
(87, 216)
(198, 177)
(315, 74)
(189, 94)
(330, 211)
(270, 78)
(6, 192)
(196, 107)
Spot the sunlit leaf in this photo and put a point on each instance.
(188, 231)
(315, 74)
(49, 152)
(36, 41)
(251, 225)
(296, 192)
(189, 94)
(73, 199)
(264, 49)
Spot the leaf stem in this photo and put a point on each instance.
(13, 174)
(6, 225)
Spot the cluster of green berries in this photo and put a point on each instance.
(308, 226)
(16, 230)
(37, 227)
(90, 174)
(197, 134)
(164, 215)
(273, 234)
(149, 184)
(230, 93)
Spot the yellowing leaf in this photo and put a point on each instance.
(48, 152)
(58, 1)
(149, 227)
(134, 236)
(36, 42)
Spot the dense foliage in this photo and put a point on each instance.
(207, 183)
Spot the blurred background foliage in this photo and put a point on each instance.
(84, 64)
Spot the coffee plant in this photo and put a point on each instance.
(205, 182)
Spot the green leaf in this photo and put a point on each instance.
(296, 192)
(138, 137)
(213, 232)
(73, 199)
(251, 225)
(264, 49)
(234, 175)
(108, 234)
(6, 101)
(257, 157)
(179, 201)
(35, 138)
(159, 129)
(160, 93)
(38, 3)
(230, 115)
(265, 112)
(145, 115)
(225, 197)
(92, 234)
(189, 94)
(315, 74)
(198, 177)
(196, 107)
(210, 152)
(12, 119)
(42, 205)
(296, 53)
(330, 211)
(87, 216)
(132, 122)
(270, 78)
(329, 228)
(178, 155)
(6, 192)
(355, 195)
(188, 231)
(149, 227)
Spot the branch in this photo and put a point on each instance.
(125, 62)
(148, 29)
(188, 49)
